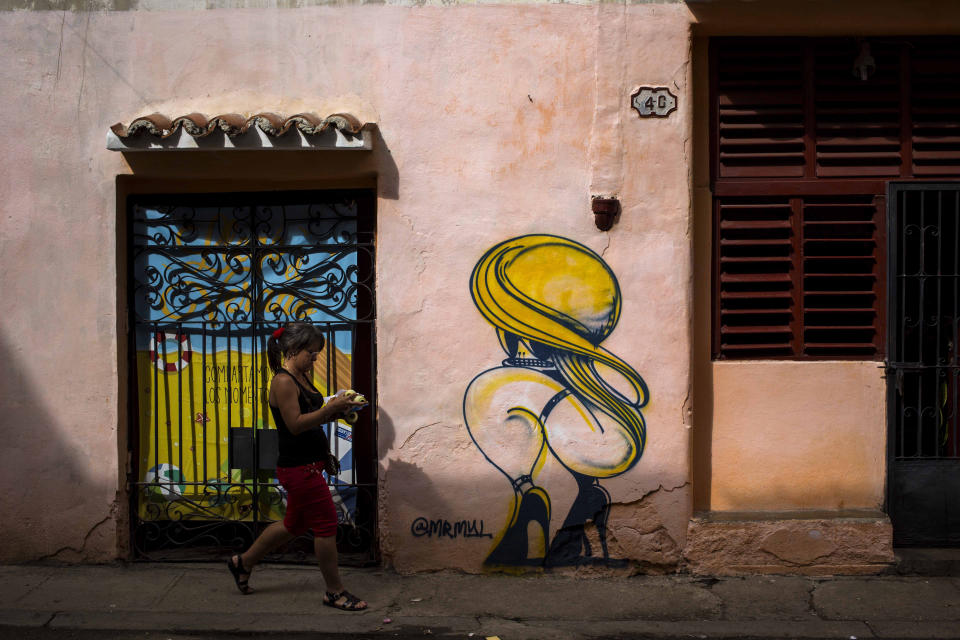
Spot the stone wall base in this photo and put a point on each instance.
(798, 543)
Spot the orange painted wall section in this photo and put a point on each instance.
(798, 435)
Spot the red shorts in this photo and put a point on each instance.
(309, 504)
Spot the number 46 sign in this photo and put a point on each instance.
(653, 102)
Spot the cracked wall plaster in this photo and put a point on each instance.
(810, 546)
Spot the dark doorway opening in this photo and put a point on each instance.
(924, 363)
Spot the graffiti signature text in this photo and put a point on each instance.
(445, 529)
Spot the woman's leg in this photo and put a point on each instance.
(271, 538)
(326, 549)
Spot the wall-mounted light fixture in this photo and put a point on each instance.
(864, 65)
(605, 211)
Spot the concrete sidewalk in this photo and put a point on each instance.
(201, 598)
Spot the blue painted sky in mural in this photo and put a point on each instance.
(198, 266)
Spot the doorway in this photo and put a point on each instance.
(924, 363)
(211, 276)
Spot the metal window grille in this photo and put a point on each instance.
(211, 277)
(925, 332)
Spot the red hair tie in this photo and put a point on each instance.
(278, 333)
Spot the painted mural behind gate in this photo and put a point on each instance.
(558, 395)
(195, 392)
(210, 283)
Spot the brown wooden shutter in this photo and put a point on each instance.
(802, 149)
(935, 107)
(756, 285)
(759, 90)
(857, 121)
(841, 275)
(798, 276)
(794, 108)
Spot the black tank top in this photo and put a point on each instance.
(309, 446)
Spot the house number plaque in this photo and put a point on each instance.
(653, 102)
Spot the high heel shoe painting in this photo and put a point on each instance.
(558, 395)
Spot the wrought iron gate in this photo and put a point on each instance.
(211, 276)
(923, 363)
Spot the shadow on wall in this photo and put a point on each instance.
(265, 169)
(427, 519)
(56, 505)
(404, 487)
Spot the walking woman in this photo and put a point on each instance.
(299, 412)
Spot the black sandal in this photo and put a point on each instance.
(238, 570)
(350, 601)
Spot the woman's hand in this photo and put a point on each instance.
(286, 395)
(344, 401)
(332, 466)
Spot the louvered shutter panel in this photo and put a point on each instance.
(857, 121)
(798, 276)
(841, 276)
(802, 151)
(794, 108)
(935, 107)
(759, 89)
(756, 277)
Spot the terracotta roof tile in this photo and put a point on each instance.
(198, 126)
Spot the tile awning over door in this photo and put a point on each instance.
(303, 131)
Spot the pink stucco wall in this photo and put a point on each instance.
(544, 101)
(498, 122)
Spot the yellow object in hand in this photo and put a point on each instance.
(354, 396)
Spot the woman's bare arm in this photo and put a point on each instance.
(284, 391)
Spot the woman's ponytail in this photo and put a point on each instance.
(274, 354)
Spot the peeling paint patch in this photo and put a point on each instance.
(638, 530)
(806, 546)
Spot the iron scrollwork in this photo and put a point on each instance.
(304, 256)
(205, 278)
(301, 284)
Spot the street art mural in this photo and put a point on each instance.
(558, 395)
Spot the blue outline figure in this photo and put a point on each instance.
(557, 394)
